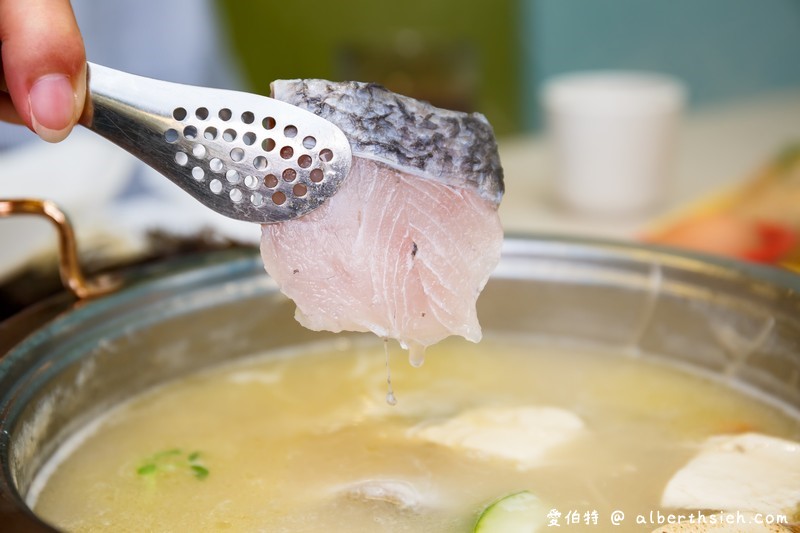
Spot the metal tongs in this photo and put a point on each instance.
(245, 156)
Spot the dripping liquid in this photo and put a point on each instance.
(416, 354)
(390, 398)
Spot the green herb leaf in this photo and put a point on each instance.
(200, 472)
(146, 470)
(173, 460)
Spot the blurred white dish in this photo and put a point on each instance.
(613, 135)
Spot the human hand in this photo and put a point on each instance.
(43, 66)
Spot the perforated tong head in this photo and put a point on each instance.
(245, 156)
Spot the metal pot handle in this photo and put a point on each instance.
(69, 267)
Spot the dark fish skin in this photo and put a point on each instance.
(456, 148)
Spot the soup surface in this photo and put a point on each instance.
(305, 441)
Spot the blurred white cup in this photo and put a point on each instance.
(613, 134)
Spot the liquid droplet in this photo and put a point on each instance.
(390, 397)
(416, 355)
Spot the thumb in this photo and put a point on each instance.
(44, 65)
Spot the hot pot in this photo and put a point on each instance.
(66, 360)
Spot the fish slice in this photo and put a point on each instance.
(245, 156)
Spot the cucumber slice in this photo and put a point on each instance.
(521, 512)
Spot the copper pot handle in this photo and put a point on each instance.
(68, 265)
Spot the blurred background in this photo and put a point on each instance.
(730, 176)
(458, 55)
(494, 56)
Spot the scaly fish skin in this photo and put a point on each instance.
(458, 149)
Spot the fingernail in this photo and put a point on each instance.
(52, 101)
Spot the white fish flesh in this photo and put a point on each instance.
(406, 245)
(523, 435)
(747, 472)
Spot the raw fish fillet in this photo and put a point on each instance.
(406, 245)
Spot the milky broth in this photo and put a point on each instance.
(278, 443)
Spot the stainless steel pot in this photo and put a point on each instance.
(738, 322)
